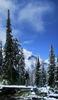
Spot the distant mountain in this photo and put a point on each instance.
(32, 57)
(30, 60)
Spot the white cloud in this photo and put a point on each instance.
(33, 14)
(2, 36)
(5, 5)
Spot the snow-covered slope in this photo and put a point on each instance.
(30, 60)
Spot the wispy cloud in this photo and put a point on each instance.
(28, 42)
(34, 13)
(31, 12)
(5, 5)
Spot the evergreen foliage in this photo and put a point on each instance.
(16, 58)
(27, 78)
(38, 74)
(8, 65)
(21, 67)
(43, 75)
(51, 68)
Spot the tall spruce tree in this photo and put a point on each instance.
(16, 47)
(8, 66)
(21, 67)
(16, 53)
(38, 74)
(43, 75)
(51, 68)
(19, 62)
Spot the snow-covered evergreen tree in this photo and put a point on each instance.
(43, 75)
(38, 74)
(21, 67)
(16, 53)
(51, 68)
(19, 61)
(9, 72)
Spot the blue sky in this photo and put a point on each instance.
(34, 23)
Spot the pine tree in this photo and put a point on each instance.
(51, 68)
(43, 75)
(13, 64)
(16, 53)
(21, 67)
(8, 66)
(19, 62)
(38, 74)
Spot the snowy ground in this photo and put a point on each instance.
(50, 98)
(50, 95)
(32, 94)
